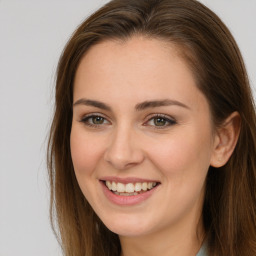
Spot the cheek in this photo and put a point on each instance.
(179, 154)
(85, 151)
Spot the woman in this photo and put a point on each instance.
(152, 146)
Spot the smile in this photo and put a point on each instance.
(130, 189)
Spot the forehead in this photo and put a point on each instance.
(138, 68)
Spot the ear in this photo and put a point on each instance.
(225, 140)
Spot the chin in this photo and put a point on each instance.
(127, 231)
(129, 227)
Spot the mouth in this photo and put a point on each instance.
(129, 189)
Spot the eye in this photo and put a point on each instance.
(97, 120)
(160, 121)
(94, 120)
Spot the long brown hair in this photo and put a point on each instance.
(229, 211)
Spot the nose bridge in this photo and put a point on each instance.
(123, 150)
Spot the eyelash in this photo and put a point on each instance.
(87, 120)
(168, 121)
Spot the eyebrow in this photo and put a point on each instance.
(138, 107)
(93, 103)
(159, 103)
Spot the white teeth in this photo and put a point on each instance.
(109, 185)
(129, 188)
(120, 187)
(114, 186)
(144, 186)
(137, 187)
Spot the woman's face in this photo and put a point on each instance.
(142, 138)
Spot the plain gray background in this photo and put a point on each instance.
(32, 36)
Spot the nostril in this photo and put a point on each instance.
(123, 160)
(123, 153)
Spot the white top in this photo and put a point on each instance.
(202, 251)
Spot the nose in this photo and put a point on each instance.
(123, 151)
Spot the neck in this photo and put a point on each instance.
(182, 240)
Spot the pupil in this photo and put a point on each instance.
(98, 120)
(160, 121)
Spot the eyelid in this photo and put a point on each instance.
(169, 119)
(92, 114)
(86, 117)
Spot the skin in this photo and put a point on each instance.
(127, 143)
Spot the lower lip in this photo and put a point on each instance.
(127, 200)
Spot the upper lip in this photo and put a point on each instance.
(127, 179)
